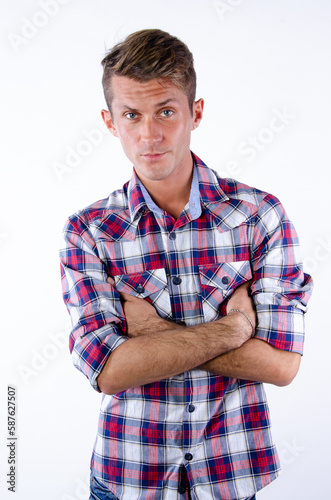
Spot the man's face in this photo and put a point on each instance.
(153, 122)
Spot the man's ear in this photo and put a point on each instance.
(106, 116)
(197, 113)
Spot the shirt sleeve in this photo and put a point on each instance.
(280, 288)
(93, 304)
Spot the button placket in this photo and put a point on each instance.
(176, 280)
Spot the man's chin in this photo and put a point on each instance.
(152, 174)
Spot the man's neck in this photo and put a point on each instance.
(173, 193)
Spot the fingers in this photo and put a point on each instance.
(241, 299)
(245, 286)
(125, 297)
(243, 290)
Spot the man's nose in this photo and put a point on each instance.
(150, 131)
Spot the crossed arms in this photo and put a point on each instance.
(158, 349)
(155, 349)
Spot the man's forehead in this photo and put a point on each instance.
(161, 91)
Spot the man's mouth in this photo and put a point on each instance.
(153, 156)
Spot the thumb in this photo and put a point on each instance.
(124, 296)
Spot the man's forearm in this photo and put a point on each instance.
(161, 355)
(258, 361)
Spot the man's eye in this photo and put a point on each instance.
(167, 112)
(131, 116)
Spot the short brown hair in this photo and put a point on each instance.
(150, 54)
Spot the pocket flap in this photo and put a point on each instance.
(225, 275)
(141, 284)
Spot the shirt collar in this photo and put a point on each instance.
(136, 200)
(209, 184)
(205, 189)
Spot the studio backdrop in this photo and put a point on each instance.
(264, 71)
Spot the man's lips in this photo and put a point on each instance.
(153, 156)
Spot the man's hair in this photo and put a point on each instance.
(150, 54)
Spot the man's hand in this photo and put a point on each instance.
(141, 317)
(242, 300)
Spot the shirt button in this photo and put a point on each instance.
(181, 489)
(225, 280)
(177, 280)
(140, 289)
(188, 456)
(190, 408)
(172, 236)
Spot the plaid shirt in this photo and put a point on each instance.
(218, 428)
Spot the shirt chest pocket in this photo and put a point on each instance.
(218, 282)
(150, 285)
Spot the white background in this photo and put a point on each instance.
(254, 59)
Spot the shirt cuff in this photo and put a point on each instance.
(281, 326)
(92, 350)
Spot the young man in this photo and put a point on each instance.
(167, 280)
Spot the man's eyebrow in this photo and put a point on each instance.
(158, 105)
(163, 103)
(128, 108)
